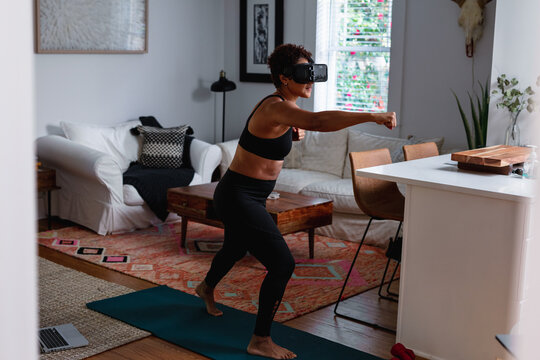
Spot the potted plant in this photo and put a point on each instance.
(479, 107)
(515, 101)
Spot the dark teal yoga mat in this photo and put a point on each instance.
(181, 318)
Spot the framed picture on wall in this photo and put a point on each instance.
(97, 26)
(261, 30)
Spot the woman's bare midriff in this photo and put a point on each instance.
(254, 166)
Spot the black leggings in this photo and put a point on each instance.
(240, 202)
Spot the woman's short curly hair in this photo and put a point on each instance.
(284, 55)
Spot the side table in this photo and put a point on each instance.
(46, 182)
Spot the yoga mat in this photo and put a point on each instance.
(181, 318)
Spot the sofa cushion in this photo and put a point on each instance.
(439, 141)
(132, 196)
(294, 159)
(162, 148)
(324, 151)
(361, 141)
(228, 149)
(294, 180)
(116, 141)
(339, 191)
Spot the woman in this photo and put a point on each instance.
(240, 196)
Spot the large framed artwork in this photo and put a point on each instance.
(91, 26)
(261, 30)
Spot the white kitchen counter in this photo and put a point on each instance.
(440, 172)
(465, 237)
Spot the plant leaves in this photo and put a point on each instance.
(476, 123)
(485, 110)
(465, 123)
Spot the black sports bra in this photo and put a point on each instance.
(272, 149)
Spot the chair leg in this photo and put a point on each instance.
(393, 276)
(386, 269)
(374, 325)
(382, 284)
(392, 280)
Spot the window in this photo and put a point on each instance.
(354, 39)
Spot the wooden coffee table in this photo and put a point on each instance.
(291, 212)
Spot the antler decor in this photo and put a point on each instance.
(471, 19)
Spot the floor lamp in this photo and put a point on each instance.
(223, 85)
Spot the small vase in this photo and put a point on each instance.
(512, 131)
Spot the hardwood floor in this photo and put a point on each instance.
(322, 322)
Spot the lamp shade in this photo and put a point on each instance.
(222, 85)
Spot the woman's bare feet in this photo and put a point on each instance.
(264, 346)
(206, 293)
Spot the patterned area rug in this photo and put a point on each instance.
(63, 294)
(154, 254)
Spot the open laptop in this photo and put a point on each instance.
(60, 337)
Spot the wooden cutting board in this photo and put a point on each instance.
(498, 159)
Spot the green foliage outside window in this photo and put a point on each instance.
(362, 54)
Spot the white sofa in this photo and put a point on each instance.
(319, 166)
(89, 163)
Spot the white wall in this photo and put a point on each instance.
(171, 81)
(434, 62)
(190, 41)
(515, 53)
(18, 303)
(299, 28)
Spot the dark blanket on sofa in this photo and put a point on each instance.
(152, 184)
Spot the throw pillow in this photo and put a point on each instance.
(294, 159)
(361, 141)
(324, 151)
(162, 148)
(152, 121)
(186, 156)
(146, 121)
(418, 140)
(113, 140)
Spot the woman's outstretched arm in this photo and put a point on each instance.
(288, 113)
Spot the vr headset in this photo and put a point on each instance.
(307, 72)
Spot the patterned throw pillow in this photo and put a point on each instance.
(162, 148)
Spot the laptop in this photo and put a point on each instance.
(60, 337)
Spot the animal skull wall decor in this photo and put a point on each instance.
(471, 19)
